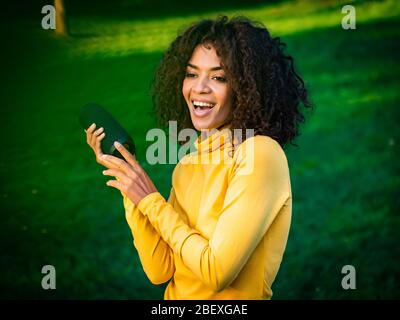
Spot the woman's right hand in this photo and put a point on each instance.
(93, 139)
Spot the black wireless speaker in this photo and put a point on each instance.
(94, 113)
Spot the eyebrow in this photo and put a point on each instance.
(211, 69)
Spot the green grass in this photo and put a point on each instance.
(56, 208)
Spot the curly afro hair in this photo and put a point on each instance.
(267, 92)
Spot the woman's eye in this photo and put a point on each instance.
(189, 75)
(220, 79)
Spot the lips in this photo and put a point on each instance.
(203, 104)
(202, 108)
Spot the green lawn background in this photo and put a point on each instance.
(57, 210)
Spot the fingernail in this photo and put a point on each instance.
(117, 144)
(104, 171)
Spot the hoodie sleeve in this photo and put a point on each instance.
(155, 254)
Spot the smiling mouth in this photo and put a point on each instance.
(202, 105)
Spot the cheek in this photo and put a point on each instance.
(226, 98)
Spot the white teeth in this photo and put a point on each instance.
(203, 104)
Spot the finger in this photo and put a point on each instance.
(91, 128)
(116, 184)
(98, 131)
(97, 146)
(100, 137)
(129, 157)
(116, 173)
(95, 135)
(98, 142)
(89, 133)
(121, 164)
(105, 163)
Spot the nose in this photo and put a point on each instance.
(201, 85)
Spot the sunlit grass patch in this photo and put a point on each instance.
(120, 37)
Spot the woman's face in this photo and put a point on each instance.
(206, 90)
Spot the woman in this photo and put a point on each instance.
(223, 231)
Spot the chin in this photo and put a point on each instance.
(200, 128)
(199, 125)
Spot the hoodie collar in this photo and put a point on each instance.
(217, 139)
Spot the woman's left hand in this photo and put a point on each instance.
(133, 181)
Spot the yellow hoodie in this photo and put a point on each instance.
(223, 231)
